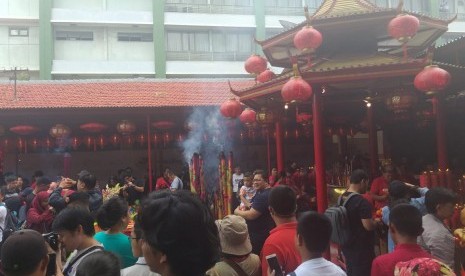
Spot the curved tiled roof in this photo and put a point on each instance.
(116, 93)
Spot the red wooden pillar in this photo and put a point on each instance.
(279, 147)
(372, 141)
(441, 142)
(66, 164)
(318, 136)
(268, 149)
(149, 154)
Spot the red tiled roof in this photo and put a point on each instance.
(117, 93)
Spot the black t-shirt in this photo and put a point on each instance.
(259, 228)
(361, 245)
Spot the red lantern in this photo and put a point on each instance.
(24, 129)
(403, 27)
(125, 127)
(34, 144)
(163, 125)
(48, 143)
(128, 140)
(93, 127)
(308, 39)
(21, 145)
(296, 89)
(231, 108)
(255, 64)
(141, 139)
(304, 119)
(155, 138)
(59, 131)
(432, 79)
(101, 141)
(265, 76)
(75, 142)
(115, 140)
(400, 101)
(89, 141)
(248, 116)
(166, 138)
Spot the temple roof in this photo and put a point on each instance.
(336, 8)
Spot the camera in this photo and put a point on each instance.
(52, 239)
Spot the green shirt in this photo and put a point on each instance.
(119, 244)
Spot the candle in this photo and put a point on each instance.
(442, 178)
(425, 180)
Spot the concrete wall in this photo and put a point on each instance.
(19, 8)
(16, 51)
(115, 5)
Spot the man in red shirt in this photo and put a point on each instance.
(405, 225)
(282, 205)
(379, 187)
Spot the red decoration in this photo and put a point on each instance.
(155, 138)
(248, 116)
(403, 27)
(59, 131)
(265, 117)
(101, 141)
(90, 142)
(163, 125)
(21, 145)
(166, 138)
(400, 101)
(48, 143)
(231, 108)
(93, 127)
(141, 139)
(125, 127)
(24, 129)
(265, 76)
(296, 89)
(255, 64)
(432, 79)
(115, 140)
(75, 142)
(308, 39)
(35, 143)
(304, 119)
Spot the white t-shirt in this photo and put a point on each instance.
(236, 180)
(318, 267)
(139, 269)
(3, 213)
(176, 184)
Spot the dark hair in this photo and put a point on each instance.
(38, 174)
(438, 195)
(181, 226)
(79, 198)
(387, 169)
(89, 181)
(407, 220)
(137, 229)
(43, 181)
(262, 173)
(10, 178)
(315, 229)
(283, 201)
(71, 217)
(247, 174)
(111, 212)
(102, 263)
(3, 190)
(358, 176)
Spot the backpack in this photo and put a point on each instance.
(339, 218)
(10, 225)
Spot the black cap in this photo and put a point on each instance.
(82, 173)
(398, 189)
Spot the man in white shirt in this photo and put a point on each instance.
(313, 234)
(237, 181)
(176, 182)
(3, 210)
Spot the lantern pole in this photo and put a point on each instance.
(440, 133)
(372, 141)
(279, 147)
(149, 154)
(321, 188)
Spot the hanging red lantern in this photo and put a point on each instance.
(128, 140)
(163, 125)
(308, 39)
(231, 108)
(403, 27)
(34, 142)
(255, 64)
(89, 141)
(400, 101)
(141, 139)
(75, 142)
(432, 79)
(296, 89)
(48, 143)
(304, 119)
(59, 131)
(155, 138)
(265, 117)
(180, 138)
(21, 145)
(166, 138)
(265, 76)
(24, 129)
(115, 140)
(248, 117)
(101, 141)
(93, 127)
(125, 127)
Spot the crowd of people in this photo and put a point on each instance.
(174, 233)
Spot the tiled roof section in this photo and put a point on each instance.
(337, 8)
(458, 40)
(117, 94)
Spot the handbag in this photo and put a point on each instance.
(236, 267)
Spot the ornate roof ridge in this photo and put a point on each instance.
(337, 8)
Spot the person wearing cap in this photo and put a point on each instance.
(86, 183)
(312, 240)
(17, 258)
(283, 206)
(236, 249)
(400, 192)
(405, 226)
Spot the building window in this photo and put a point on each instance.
(19, 31)
(74, 35)
(139, 37)
(187, 41)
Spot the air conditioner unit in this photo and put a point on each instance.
(187, 9)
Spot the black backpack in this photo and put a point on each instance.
(339, 218)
